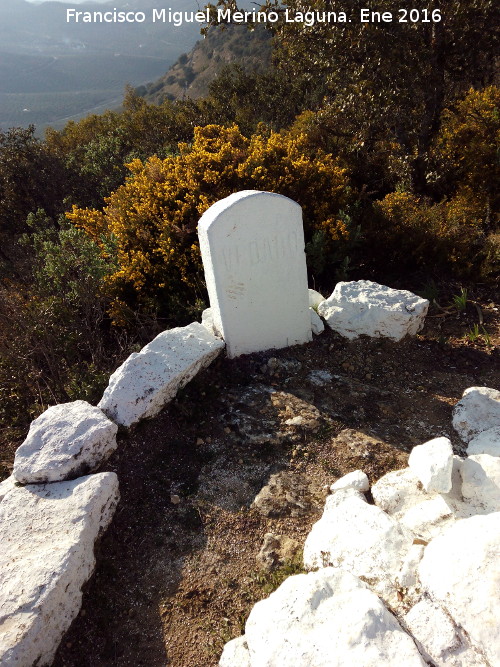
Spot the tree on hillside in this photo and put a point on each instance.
(392, 79)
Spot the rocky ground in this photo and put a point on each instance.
(177, 572)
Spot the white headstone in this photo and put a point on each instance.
(252, 245)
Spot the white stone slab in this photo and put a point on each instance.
(364, 307)
(461, 570)
(432, 463)
(66, 441)
(327, 618)
(487, 442)
(47, 535)
(252, 245)
(151, 378)
(478, 410)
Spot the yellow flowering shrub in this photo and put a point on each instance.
(445, 235)
(151, 220)
(469, 141)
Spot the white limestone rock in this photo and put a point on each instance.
(486, 442)
(407, 576)
(327, 618)
(478, 410)
(66, 441)
(429, 518)
(207, 319)
(353, 480)
(235, 653)
(397, 491)
(432, 463)
(364, 307)
(481, 482)
(438, 638)
(341, 495)
(361, 539)
(317, 326)
(315, 298)
(252, 246)
(460, 569)
(148, 380)
(47, 533)
(6, 486)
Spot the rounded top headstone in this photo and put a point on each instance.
(252, 245)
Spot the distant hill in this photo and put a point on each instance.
(51, 70)
(192, 73)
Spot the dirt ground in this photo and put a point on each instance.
(177, 573)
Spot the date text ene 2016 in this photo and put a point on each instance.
(405, 16)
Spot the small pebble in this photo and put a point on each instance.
(174, 499)
(200, 441)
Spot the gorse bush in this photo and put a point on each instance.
(151, 220)
(468, 145)
(417, 233)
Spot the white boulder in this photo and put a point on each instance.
(317, 326)
(47, 533)
(486, 442)
(353, 480)
(235, 653)
(361, 539)
(432, 463)
(461, 570)
(438, 638)
(327, 618)
(481, 482)
(478, 410)
(315, 298)
(148, 380)
(365, 307)
(397, 491)
(64, 442)
(429, 518)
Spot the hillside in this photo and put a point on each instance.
(52, 70)
(192, 73)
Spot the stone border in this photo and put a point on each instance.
(40, 585)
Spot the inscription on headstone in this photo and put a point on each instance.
(252, 245)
